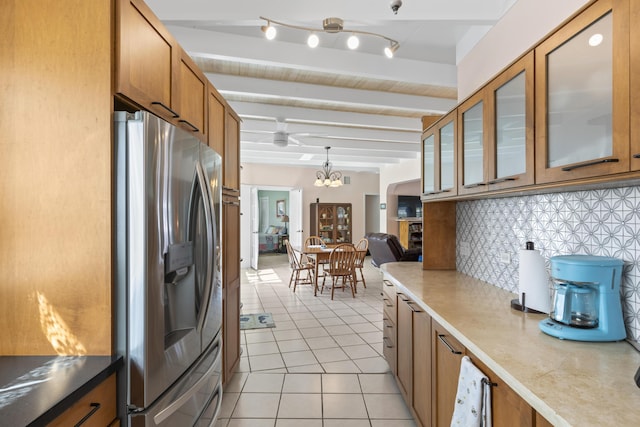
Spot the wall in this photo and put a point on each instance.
(526, 22)
(406, 170)
(361, 183)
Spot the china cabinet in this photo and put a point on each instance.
(331, 222)
(439, 158)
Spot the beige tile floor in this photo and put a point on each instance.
(322, 364)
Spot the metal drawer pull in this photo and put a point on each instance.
(387, 305)
(94, 407)
(584, 165)
(636, 156)
(403, 297)
(193, 128)
(478, 184)
(175, 115)
(410, 304)
(387, 283)
(499, 180)
(387, 339)
(451, 349)
(489, 383)
(432, 193)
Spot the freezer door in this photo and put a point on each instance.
(193, 401)
(170, 242)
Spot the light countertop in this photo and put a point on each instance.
(569, 383)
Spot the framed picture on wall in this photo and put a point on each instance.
(280, 208)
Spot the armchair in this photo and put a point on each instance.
(385, 247)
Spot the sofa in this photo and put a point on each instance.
(385, 247)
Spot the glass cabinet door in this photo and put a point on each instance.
(472, 145)
(582, 78)
(510, 126)
(439, 158)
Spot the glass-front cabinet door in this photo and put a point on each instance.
(439, 158)
(582, 96)
(510, 126)
(473, 143)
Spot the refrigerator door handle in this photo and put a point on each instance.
(161, 416)
(209, 275)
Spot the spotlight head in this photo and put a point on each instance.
(313, 41)
(353, 42)
(395, 5)
(269, 31)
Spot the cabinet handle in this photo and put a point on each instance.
(232, 203)
(230, 189)
(387, 305)
(477, 184)
(489, 383)
(384, 320)
(387, 283)
(94, 407)
(175, 115)
(499, 180)
(193, 128)
(431, 193)
(403, 297)
(411, 306)
(451, 349)
(636, 156)
(584, 165)
(385, 339)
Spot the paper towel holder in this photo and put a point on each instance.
(515, 303)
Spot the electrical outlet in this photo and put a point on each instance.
(505, 258)
(465, 248)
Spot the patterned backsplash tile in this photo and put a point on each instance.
(597, 222)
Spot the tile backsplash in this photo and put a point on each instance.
(602, 222)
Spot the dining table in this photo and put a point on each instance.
(320, 254)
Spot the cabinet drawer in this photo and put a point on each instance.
(97, 408)
(389, 343)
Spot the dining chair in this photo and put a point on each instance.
(361, 247)
(301, 268)
(340, 268)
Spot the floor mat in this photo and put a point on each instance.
(256, 321)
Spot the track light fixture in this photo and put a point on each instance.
(329, 25)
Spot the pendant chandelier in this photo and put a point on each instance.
(327, 177)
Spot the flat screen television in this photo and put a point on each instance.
(409, 207)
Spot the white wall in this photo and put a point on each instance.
(404, 171)
(522, 27)
(361, 183)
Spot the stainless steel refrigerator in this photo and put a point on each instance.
(169, 290)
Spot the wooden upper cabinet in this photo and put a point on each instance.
(153, 71)
(192, 95)
(439, 154)
(473, 144)
(510, 127)
(145, 57)
(635, 85)
(215, 124)
(231, 156)
(582, 96)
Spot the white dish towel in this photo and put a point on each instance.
(473, 398)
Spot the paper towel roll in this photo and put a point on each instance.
(533, 281)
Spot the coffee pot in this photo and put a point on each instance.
(585, 300)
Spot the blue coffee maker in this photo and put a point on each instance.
(585, 299)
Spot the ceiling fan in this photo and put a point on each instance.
(282, 138)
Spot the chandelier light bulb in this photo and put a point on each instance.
(390, 50)
(313, 41)
(353, 42)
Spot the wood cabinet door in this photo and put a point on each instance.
(446, 356)
(422, 367)
(507, 407)
(231, 285)
(582, 96)
(145, 58)
(440, 154)
(231, 157)
(404, 344)
(215, 121)
(473, 144)
(510, 126)
(192, 96)
(634, 48)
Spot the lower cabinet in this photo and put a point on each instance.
(96, 408)
(425, 359)
(446, 356)
(231, 286)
